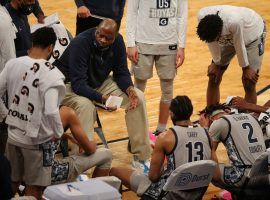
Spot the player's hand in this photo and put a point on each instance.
(250, 74)
(133, 54)
(214, 72)
(180, 57)
(133, 98)
(239, 103)
(104, 99)
(83, 12)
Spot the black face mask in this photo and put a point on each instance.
(99, 47)
(26, 9)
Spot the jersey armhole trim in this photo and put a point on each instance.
(230, 128)
(176, 142)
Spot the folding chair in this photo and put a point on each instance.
(257, 183)
(190, 176)
(99, 131)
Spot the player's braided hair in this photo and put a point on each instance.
(210, 109)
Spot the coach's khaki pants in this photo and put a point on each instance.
(136, 120)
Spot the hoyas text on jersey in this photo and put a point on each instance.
(163, 11)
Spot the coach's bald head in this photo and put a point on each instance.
(106, 32)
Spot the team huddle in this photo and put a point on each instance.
(51, 82)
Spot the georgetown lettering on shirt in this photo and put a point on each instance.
(164, 11)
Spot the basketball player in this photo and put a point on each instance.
(243, 139)
(230, 31)
(156, 35)
(183, 143)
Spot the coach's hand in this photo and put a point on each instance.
(83, 12)
(104, 99)
(180, 57)
(133, 98)
(133, 54)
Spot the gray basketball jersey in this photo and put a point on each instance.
(192, 144)
(244, 139)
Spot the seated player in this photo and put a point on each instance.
(183, 143)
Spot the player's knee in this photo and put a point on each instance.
(107, 159)
(166, 90)
(107, 155)
(166, 98)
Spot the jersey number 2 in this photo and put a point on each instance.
(250, 133)
(198, 146)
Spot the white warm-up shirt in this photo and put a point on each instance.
(241, 26)
(43, 114)
(7, 36)
(157, 22)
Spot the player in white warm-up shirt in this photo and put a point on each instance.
(35, 89)
(156, 35)
(230, 31)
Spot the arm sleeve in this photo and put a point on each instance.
(51, 110)
(78, 72)
(218, 130)
(215, 52)
(121, 73)
(182, 17)
(239, 44)
(131, 24)
(3, 89)
(37, 9)
(79, 3)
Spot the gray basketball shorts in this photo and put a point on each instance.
(255, 51)
(160, 56)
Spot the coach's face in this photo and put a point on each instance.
(105, 37)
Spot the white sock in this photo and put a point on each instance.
(161, 127)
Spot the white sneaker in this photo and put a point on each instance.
(142, 166)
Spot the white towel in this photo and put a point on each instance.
(26, 109)
(62, 41)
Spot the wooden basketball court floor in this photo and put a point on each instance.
(191, 78)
